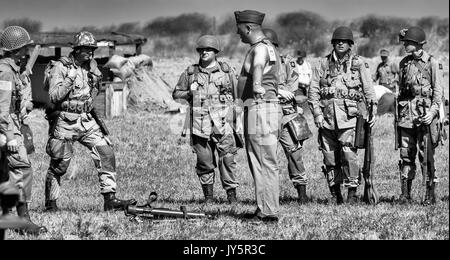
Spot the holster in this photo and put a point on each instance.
(360, 132)
(51, 115)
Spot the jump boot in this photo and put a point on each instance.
(231, 196)
(302, 197)
(405, 196)
(50, 206)
(430, 195)
(113, 203)
(337, 194)
(208, 190)
(22, 211)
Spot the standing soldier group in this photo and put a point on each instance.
(273, 88)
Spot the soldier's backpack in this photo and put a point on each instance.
(48, 70)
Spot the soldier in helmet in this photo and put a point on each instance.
(294, 128)
(387, 72)
(340, 84)
(210, 88)
(73, 82)
(15, 41)
(420, 93)
(258, 89)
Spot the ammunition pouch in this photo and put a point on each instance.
(421, 91)
(333, 92)
(73, 106)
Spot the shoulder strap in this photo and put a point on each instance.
(65, 61)
(192, 70)
(423, 69)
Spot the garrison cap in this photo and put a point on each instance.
(249, 16)
(384, 53)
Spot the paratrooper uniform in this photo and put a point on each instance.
(216, 122)
(11, 102)
(71, 120)
(337, 90)
(387, 74)
(294, 128)
(420, 92)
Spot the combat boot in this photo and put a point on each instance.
(302, 197)
(337, 194)
(404, 197)
(351, 196)
(231, 196)
(430, 195)
(208, 190)
(22, 211)
(50, 206)
(408, 189)
(113, 203)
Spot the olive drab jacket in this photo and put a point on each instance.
(387, 74)
(421, 83)
(12, 91)
(64, 91)
(338, 89)
(211, 93)
(288, 73)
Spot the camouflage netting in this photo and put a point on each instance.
(145, 85)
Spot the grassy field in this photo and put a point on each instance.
(152, 157)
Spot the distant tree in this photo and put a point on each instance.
(185, 23)
(303, 29)
(442, 28)
(131, 27)
(30, 25)
(427, 23)
(227, 26)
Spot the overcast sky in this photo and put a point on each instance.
(75, 13)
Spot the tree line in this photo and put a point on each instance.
(296, 30)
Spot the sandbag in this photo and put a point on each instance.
(116, 62)
(140, 60)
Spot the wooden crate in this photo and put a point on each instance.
(112, 99)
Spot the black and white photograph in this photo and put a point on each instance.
(224, 126)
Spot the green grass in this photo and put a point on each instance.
(152, 158)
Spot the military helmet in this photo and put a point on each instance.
(14, 38)
(272, 36)
(414, 34)
(343, 33)
(208, 41)
(84, 38)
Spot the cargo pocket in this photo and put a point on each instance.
(59, 149)
(351, 108)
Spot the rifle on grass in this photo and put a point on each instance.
(370, 194)
(148, 211)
